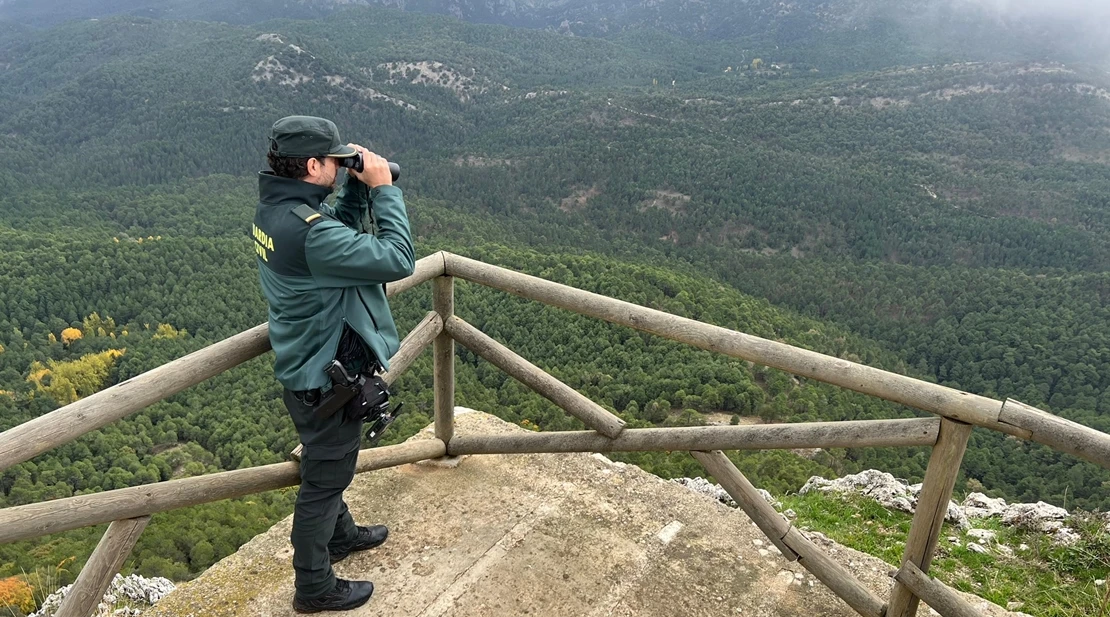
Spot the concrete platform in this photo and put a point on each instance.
(538, 535)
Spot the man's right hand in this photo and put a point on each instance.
(375, 169)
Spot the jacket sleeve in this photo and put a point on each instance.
(350, 204)
(338, 256)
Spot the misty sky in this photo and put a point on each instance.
(1062, 8)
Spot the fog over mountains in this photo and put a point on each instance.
(1072, 30)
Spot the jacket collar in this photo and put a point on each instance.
(277, 191)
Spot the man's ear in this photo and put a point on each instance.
(315, 168)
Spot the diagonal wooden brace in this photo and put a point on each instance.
(590, 413)
(794, 545)
(102, 566)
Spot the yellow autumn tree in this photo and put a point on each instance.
(165, 330)
(66, 382)
(94, 324)
(16, 594)
(757, 64)
(71, 334)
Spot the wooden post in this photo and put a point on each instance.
(95, 578)
(936, 594)
(443, 300)
(593, 415)
(44, 518)
(848, 434)
(932, 506)
(934, 398)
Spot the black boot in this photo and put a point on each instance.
(368, 538)
(346, 596)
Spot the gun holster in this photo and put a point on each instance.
(370, 395)
(365, 398)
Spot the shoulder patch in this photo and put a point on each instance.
(307, 214)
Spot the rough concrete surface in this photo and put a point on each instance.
(538, 535)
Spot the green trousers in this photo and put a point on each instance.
(321, 519)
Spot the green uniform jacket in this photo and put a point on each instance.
(324, 267)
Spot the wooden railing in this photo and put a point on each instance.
(128, 510)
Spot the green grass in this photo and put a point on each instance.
(1050, 581)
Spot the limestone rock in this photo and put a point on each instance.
(127, 596)
(883, 488)
(977, 548)
(1039, 516)
(714, 491)
(1065, 536)
(978, 505)
(894, 494)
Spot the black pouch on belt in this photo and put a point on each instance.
(372, 401)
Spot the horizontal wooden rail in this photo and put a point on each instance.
(590, 413)
(426, 269)
(63, 425)
(40, 519)
(1020, 420)
(414, 344)
(942, 598)
(930, 397)
(1058, 433)
(852, 434)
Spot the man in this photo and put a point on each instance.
(323, 270)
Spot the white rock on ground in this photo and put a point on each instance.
(127, 596)
(892, 493)
(983, 536)
(883, 488)
(978, 505)
(1039, 516)
(977, 548)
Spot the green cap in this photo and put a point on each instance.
(307, 136)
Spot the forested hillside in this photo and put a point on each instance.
(940, 212)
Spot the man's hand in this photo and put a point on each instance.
(375, 169)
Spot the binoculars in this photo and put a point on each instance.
(355, 163)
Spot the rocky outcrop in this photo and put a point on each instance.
(556, 535)
(895, 494)
(128, 596)
(884, 488)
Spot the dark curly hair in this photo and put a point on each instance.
(289, 167)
